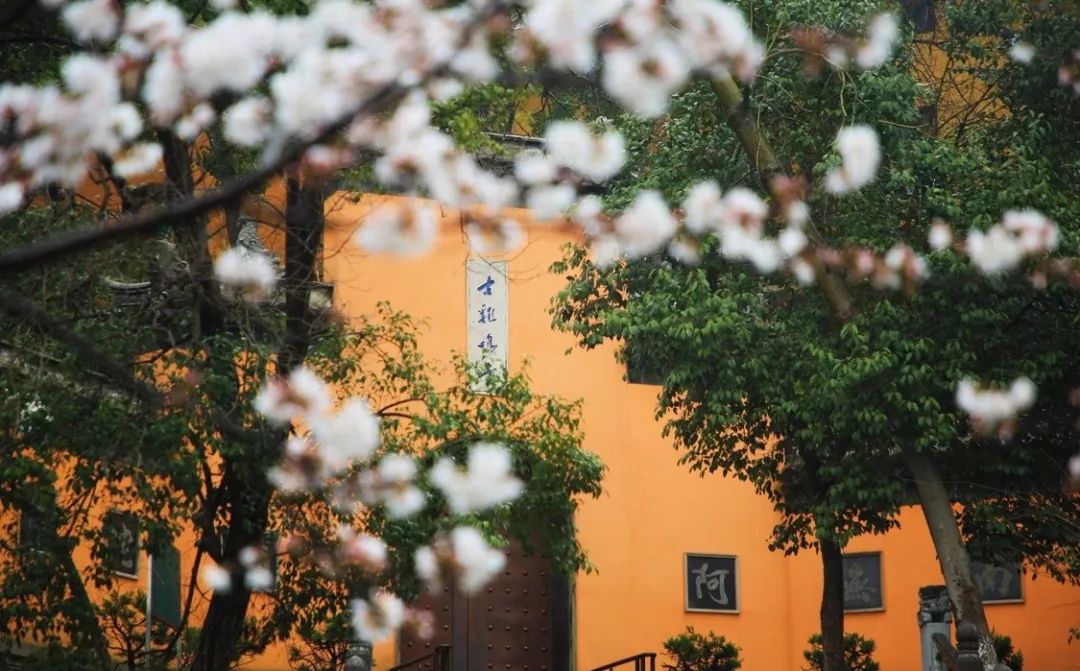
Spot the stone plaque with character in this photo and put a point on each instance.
(712, 584)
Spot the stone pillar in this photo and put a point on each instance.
(935, 617)
(358, 658)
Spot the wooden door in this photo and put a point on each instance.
(519, 622)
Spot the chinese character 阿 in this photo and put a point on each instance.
(487, 314)
(485, 288)
(487, 345)
(713, 584)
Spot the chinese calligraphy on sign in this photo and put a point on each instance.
(121, 554)
(711, 584)
(488, 319)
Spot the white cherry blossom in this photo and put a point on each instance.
(940, 237)
(138, 160)
(151, 26)
(703, 207)
(92, 20)
(1021, 234)
(11, 196)
(258, 578)
(476, 561)
(397, 489)
(253, 274)
(879, 43)
(646, 226)
(378, 617)
(364, 550)
(1022, 52)
(301, 394)
(643, 78)
(989, 408)
(247, 123)
(548, 202)
(860, 153)
(350, 435)
(565, 29)
(487, 480)
(597, 157)
(216, 578)
(408, 229)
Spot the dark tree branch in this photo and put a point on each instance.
(102, 363)
(185, 211)
(89, 353)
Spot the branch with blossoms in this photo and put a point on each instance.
(307, 92)
(336, 460)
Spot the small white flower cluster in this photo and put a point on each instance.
(995, 409)
(573, 153)
(899, 268)
(649, 49)
(736, 218)
(57, 127)
(364, 550)
(877, 47)
(1068, 73)
(251, 274)
(860, 154)
(407, 229)
(867, 52)
(252, 564)
(1021, 234)
(92, 20)
(487, 481)
(1022, 52)
(465, 554)
(416, 156)
(338, 457)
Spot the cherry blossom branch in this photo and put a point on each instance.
(768, 168)
(184, 212)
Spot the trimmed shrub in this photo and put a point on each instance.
(691, 651)
(858, 653)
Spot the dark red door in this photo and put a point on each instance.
(519, 622)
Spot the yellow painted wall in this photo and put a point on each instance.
(653, 510)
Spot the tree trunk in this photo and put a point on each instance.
(218, 646)
(85, 611)
(952, 555)
(248, 496)
(742, 121)
(832, 606)
(248, 493)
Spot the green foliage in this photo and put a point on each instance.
(75, 437)
(759, 383)
(691, 651)
(543, 434)
(1008, 656)
(858, 653)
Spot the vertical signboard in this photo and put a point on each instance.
(488, 317)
